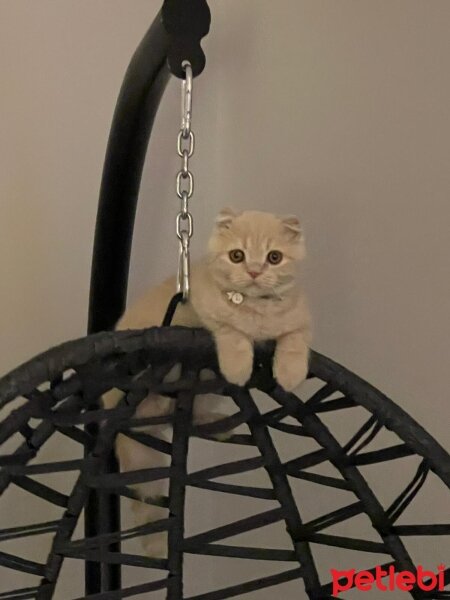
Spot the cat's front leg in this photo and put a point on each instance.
(290, 363)
(235, 355)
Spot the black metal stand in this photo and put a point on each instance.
(174, 36)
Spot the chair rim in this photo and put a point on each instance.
(183, 344)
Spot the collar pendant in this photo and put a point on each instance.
(235, 297)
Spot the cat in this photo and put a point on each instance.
(245, 290)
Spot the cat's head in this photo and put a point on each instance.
(254, 252)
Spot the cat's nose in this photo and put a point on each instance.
(254, 274)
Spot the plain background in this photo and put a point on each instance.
(336, 111)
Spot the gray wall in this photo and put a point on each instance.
(336, 111)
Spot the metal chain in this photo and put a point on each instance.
(185, 183)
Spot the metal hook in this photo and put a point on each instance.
(186, 99)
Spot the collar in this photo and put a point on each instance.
(239, 297)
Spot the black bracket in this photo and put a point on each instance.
(186, 22)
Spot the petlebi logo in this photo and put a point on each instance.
(388, 579)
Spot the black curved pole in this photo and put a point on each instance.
(135, 112)
(173, 37)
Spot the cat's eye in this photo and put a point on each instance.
(236, 256)
(275, 257)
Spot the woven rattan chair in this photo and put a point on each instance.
(52, 401)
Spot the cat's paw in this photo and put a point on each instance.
(235, 370)
(235, 366)
(290, 370)
(235, 354)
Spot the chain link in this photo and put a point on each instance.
(185, 183)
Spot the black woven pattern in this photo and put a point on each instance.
(137, 362)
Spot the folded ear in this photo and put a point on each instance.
(292, 225)
(225, 218)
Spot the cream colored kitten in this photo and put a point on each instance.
(244, 291)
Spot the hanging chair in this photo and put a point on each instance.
(356, 451)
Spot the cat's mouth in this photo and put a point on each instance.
(256, 286)
(252, 284)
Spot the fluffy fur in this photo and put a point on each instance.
(273, 307)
